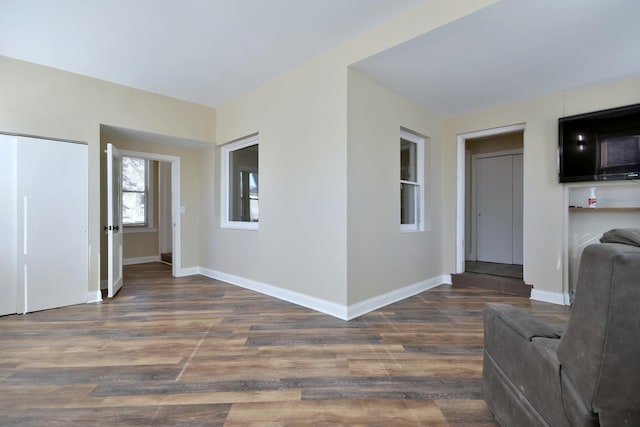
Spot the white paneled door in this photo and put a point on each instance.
(498, 191)
(52, 224)
(114, 220)
(8, 218)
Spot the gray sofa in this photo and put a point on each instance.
(586, 375)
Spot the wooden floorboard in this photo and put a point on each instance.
(195, 351)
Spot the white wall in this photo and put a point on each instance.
(544, 205)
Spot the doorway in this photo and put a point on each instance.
(165, 215)
(115, 256)
(169, 230)
(495, 228)
(490, 196)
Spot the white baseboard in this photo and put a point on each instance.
(383, 300)
(189, 271)
(317, 304)
(140, 260)
(551, 297)
(94, 296)
(328, 307)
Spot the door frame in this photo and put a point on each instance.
(460, 183)
(162, 225)
(176, 267)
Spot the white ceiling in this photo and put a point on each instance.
(514, 50)
(210, 51)
(204, 51)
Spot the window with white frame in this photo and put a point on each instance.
(135, 191)
(411, 181)
(240, 184)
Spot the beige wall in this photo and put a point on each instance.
(380, 257)
(544, 205)
(137, 245)
(49, 103)
(301, 117)
(301, 243)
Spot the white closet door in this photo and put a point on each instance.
(494, 209)
(52, 223)
(8, 241)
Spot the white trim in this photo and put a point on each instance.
(323, 306)
(141, 260)
(189, 271)
(94, 296)
(550, 297)
(317, 304)
(460, 184)
(224, 182)
(383, 300)
(420, 204)
(149, 156)
(165, 222)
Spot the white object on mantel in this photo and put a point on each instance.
(592, 202)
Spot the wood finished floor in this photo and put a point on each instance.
(194, 351)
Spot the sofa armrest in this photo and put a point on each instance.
(520, 368)
(520, 321)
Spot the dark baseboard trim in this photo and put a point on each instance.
(502, 284)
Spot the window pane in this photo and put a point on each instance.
(133, 174)
(407, 204)
(253, 197)
(133, 208)
(408, 167)
(243, 181)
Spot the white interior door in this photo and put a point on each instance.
(8, 212)
(494, 229)
(52, 223)
(114, 220)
